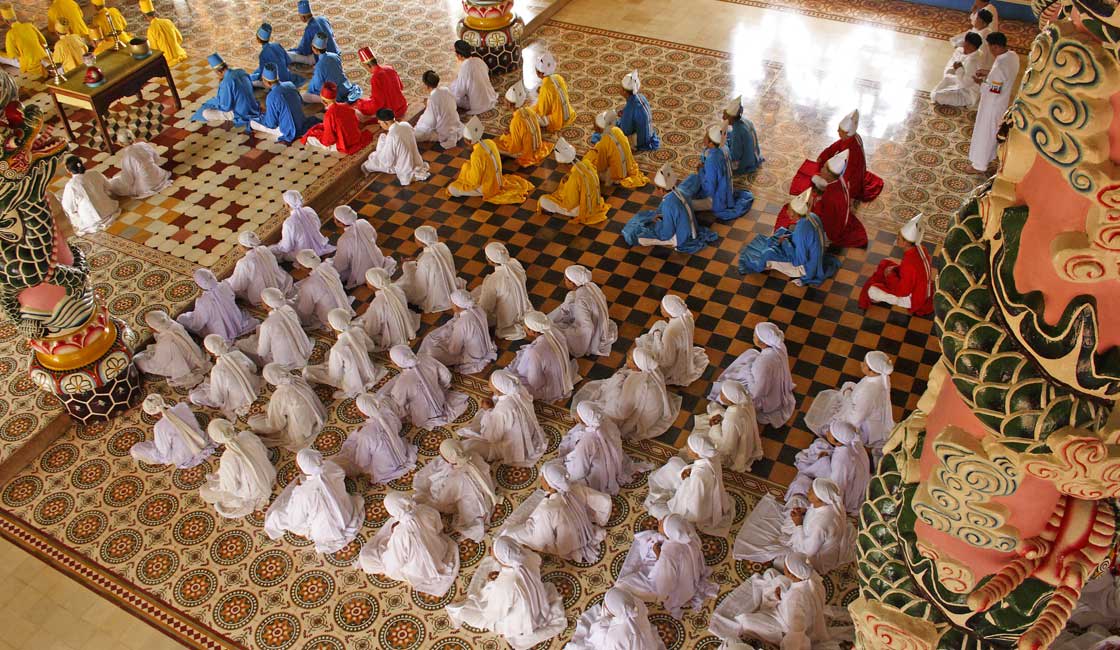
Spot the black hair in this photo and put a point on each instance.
(984, 15)
(431, 79)
(997, 38)
(463, 49)
(974, 38)
(74, 165)
(386, 114)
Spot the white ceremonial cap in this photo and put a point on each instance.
(715, 133)
(850, 123)
(603, 120)
(913, 230)
(473, 130)
(666, 178)
(517, 94)
(838, 163)
(733, 107)
(631, 82)
(546, 63)
(800, 203)
(565, 152)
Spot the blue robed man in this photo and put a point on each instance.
(329, 68)
(283, 109)
(742, 139)
(274, 54)
(635, 119)
(711, 187)
(312, 26)
(800, 252)
(235, 101)
(673, 223)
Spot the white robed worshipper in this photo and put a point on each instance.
(544, 366)
(464, 342)
(301, 230)
(766, 375)
(349, 367)
(584, 318)
(388, 321)
(173, 353)
(315, 505)
(440, 120)
(1099, 603)
(281, 338)
(429, 280)
(87, 198)
(140, 174)
(1095, 637)
(257, 270)
(634, 398)
(412, 547)
(294, 415)
(320, 292)
(995, 95)
(507, 596)
(472, 89)
(693, 490)
(459, 483)
(358, 251)
(620, 622)
(731, 424)
(215, 310)
(422, 391)
(592, 452)
(818, 528)
(667, 566)
(233, 384)
(840, 457)
(866, 403)
(396, 151)
(670, 341)
(502, 294)
(243, 482)
(506, 430)
(564, 518)
(177, 438)
(377, 448)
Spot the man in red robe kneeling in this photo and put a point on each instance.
(833, 204)
(863, 186)
(385, 89)
(340, 130)
(908, 285)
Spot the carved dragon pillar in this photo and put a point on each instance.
(997, 498)
(492, 28)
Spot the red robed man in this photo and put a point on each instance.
(862, 184)
(833, 204)
(340, 128)
(385, 89)
(908, 284)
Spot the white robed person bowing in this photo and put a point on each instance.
(388, 321)
(301, 230)
(440, 120)
(257, 270)
(358, 251)
(731, 425)
(839, 456)
(693, 490)
(349, 367)
(140, 174)
(505, 429)
(620, 622)
(544, 366)
(396, 151)
(670, 341)
(502, 294)
(667, 566)
(233, 384)
(464, 342)
(584, 318)
(412, 547)
(320, 292)
(766, 375)
(592, 452)
(177, 438)
(245, 476)
(459, 483)
(87, 199)
(215, 310)
(564, 517)
(173, 353)
(294, 415)
(866, 403)
(634, 398)
(422, 391)
(429, 280)
(280, 338)
(377, 448)
(315, 505)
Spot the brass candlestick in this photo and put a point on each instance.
(116, 32)
(54, 69)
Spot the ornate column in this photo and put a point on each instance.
(495, 31)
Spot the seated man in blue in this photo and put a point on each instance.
(635, 119)
(711, 187)
(312, 26)
(800, 254)
(329, 68)
(742, 139)
(672, 223)
(283, 109)
(235, 101)
(273, 53)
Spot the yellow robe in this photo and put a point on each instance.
(26, 43)
(69, 50)
(102, 46)
(483, 172)
(612, 152)
(101, 21)
(69, 10)
(524, 139)
(164, 36)
(580, 188)
(552, 103)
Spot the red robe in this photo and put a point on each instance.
(913, 277)
(834, 207)
(385, 91)
(863, 185)
(340, 127)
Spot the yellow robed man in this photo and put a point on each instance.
(482, 174)
(578, 196)
(524, 140)
(69, 11)
(100, 43)
(101, 20)
(612, 156)
(24, 42)
(69, 49)
(163, 35)
(552, 97)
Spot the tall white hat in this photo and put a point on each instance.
(666, 178)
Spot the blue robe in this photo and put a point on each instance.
(314, 26)
(278, 56)
(637, 121)
(677, 220)
(714, 181)
(742, 144)
(329, 68)
(284, 110)
(806, 246)
(235, 94)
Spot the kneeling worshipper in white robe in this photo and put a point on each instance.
(502, 294)
(357, 249)
(320, 292)
(233, 385)
(731, 425)
(564, 518)
(584, 318)
(315, 506)
(301, 230)
(634, 398)
(592, 452)
(819, 529)
(177, 438)
(349, 367)
(464, 342)
(505, 429)
(388, 321)
(1095, 637)
(620, 622)
(766, 375)
(294, 415)
(377, 448)
(459, 483)
(140, 174)
(429, 280)
(544, 366)
(216, 311)
(840, 457)
(670, 341)
(507, 596)
(693, 490)
(281, 338)
(396, 151)
(866, 404)
(422, 391)
(172, 353)
(257, 271)
(667, 566)
(412, 547)
(243, 482)
(1099, 603)
(87, 199)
